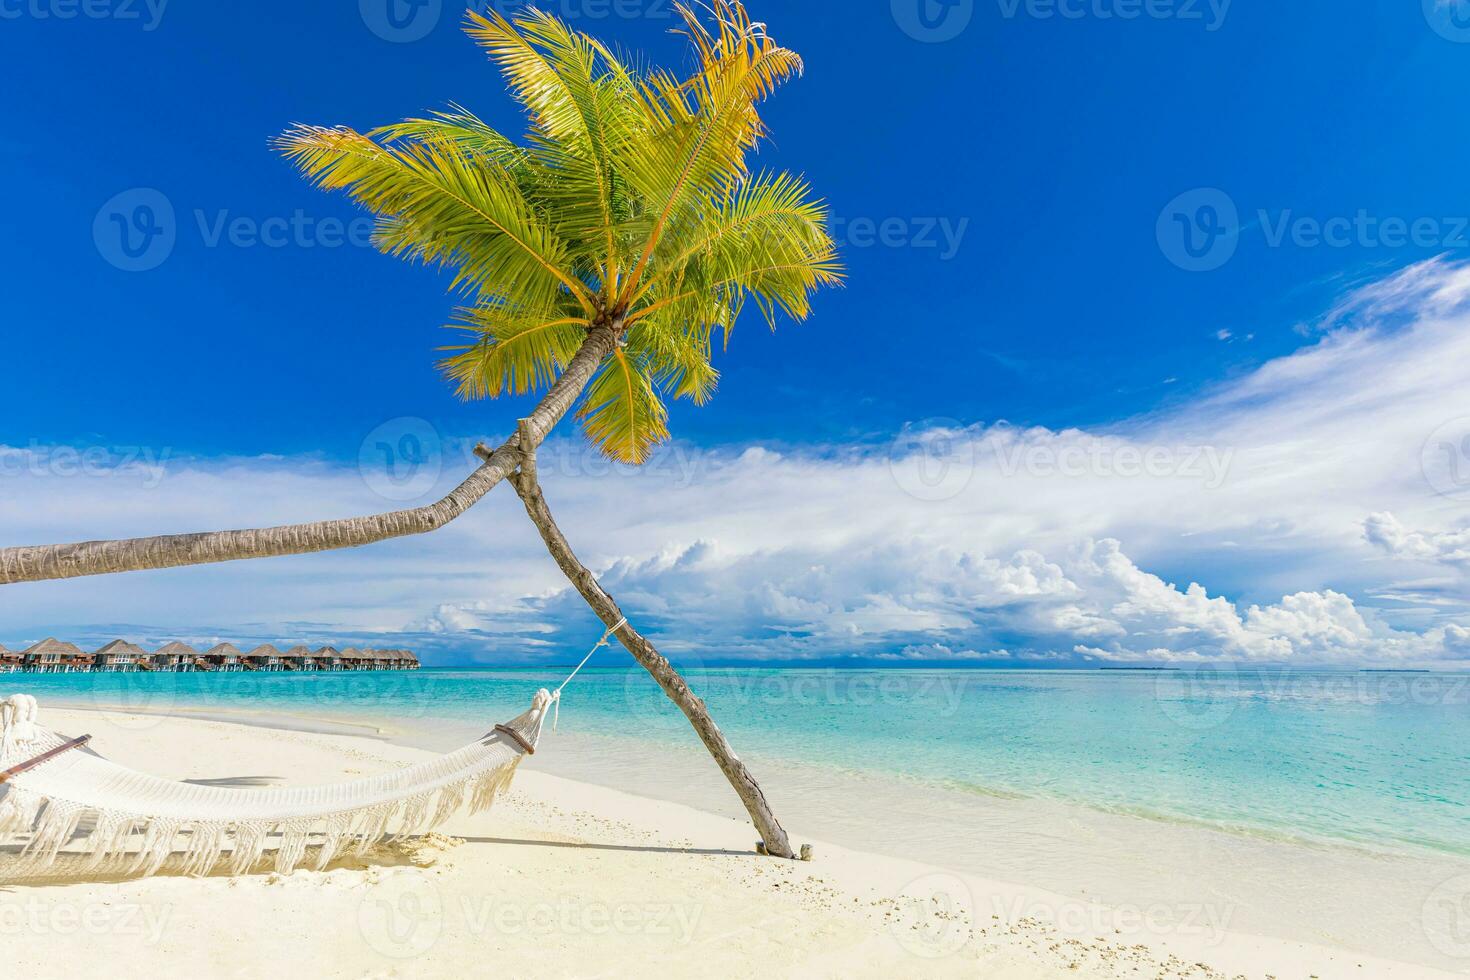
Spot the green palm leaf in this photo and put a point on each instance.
(628, 206)
(512, 351)
(622, 412)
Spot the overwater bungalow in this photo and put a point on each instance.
(328, 658)
(175, 656)
(119, 656)
(299, 657)
(399, 659)
(225, 657)
(52, 656)
(264, 657)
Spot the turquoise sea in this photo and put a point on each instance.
(1372, 760)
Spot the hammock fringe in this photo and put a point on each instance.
(114, 834)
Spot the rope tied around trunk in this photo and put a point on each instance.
(556, 694)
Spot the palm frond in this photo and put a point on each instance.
(629, 203)
(511, 351)
(707, 125)
(681, 352)
(622, 413)
(440, 205)
(586, 112)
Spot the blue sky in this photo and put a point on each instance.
(1094, 220)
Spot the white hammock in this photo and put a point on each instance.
(77, 813)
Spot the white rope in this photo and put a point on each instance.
(556, 694)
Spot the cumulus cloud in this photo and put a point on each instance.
(1387, 533)
(1286, 516)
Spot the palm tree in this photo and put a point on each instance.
(601, 258)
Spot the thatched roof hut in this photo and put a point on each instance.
(10, 659)
(52, 655)
(299, 657)
(120, 655)
(225, 656)
(264, 657)
(400, 659)
(175, 656)
(328, 658)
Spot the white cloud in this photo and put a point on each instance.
(1291, 505)
(1387, 533)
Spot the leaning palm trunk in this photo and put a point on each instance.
(617, 241)
(58, 561)
(529, 487)
(103, 557)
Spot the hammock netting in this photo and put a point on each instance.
(79, 814)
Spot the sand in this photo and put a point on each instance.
(567, 879)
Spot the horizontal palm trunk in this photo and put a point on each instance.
(677, 689)
(42, 562)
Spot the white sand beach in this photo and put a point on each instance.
(568, 879)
